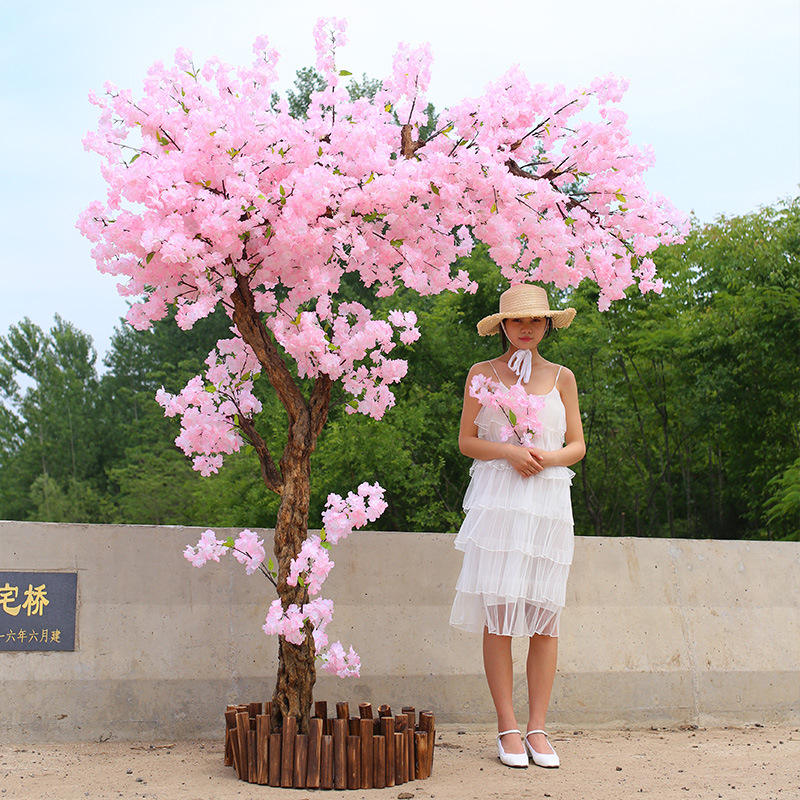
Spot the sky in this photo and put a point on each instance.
(714, 88)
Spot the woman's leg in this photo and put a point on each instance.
(500, 677)
(541, 671)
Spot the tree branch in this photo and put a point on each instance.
(254, 332)
(269, 472)
(319, 404)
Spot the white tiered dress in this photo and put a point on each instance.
(517, 537)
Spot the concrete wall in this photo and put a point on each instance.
(655, 632)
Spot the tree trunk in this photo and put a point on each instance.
(294, 686)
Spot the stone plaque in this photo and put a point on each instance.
(37, 610)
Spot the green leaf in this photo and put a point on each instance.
(211, 388)
(282, 191)
(149, 257)
(387, 107)
(569, 221)
(493, 209)
(326, 545)
(270, 565)
(513, 417)
(344, 72)
(134, 158)
(434, 188)
(229, 542)
(396, 242)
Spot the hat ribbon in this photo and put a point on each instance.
(520, 364)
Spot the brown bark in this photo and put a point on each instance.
(296, 676)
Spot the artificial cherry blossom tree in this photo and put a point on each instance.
(216, 196)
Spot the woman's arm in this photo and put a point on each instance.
(525, 462)
(574, 448)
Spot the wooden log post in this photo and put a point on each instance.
(300, 760)
(314, 753)
(288, 734)
(254, 709)
(342, 710)
(421, 755)
(427, 723)
(365, 710)
(410, 723)
(321, 709)
(340, 752)
(353, 762)
(384, 710)
(365, 735)
(326, 763)
(387, 728)
(275, 740)
(354, 726)
(379, 762)
(262, 749)
(242, 731)
(252, 765)
(399, 738)
(400, 758)
(230, 734)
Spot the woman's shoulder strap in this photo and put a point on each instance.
(555, 382)
(494, 370)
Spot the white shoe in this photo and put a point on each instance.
(542, 759)
(511, 759)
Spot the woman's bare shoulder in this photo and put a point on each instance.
(565, 376)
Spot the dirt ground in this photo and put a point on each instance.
(753, 763)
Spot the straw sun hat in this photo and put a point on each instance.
(525, 300)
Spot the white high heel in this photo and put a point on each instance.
(542, 759)
(511, 759)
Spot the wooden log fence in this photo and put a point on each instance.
(340, 752)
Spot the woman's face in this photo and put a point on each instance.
(525, 333)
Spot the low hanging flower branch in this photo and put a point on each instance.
(309, 568)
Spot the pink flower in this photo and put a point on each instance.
(208, 548)
(252, 550)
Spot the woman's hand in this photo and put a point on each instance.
(525, 460)
(545, 457)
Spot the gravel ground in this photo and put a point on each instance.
(753, 763)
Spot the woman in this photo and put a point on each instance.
(517, 537)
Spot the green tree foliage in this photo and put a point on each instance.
(689, 402)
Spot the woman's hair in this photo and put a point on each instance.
(548, 328)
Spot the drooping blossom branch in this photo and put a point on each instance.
(310, 568)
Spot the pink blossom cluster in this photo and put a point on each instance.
(209, 408)
(354, 511)
(520, 407)
(248, 549)
(349, 344)
(208, 184)
(312, 562)
(208, 548)
(292, 624)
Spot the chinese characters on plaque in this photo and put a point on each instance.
(37, 610)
